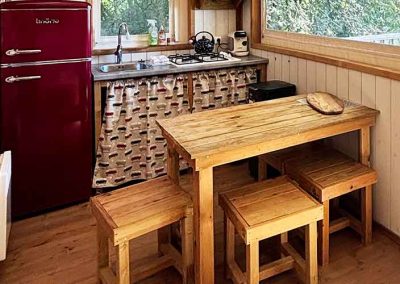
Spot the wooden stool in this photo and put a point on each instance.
(125, 214)
(278, 159)
(331, 174)
(263, 210)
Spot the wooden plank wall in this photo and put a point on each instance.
(218, 22)
(373, 91)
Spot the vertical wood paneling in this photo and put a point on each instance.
(302, 76)
(278, 66)
(246, 15)
(382, 151)
(342, 141)
(221, 23)
(232, 21)
(264, 54)
(311, 76)
(355, 88)
(331, 79)
(293, 66)
(209, 21)
(271, 66)
(199, 20)
(321, 77)
(368, 90)
(395, 158)
(343, 83)
(372, 91)
(285, 68)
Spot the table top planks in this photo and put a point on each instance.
(217, 137)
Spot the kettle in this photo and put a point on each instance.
(203, 45)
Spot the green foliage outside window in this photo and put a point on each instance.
(334, 18)
(134, 13)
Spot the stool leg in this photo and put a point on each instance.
(284, 238)
(102, 251)
(366, 214)
(252, 263)
(122, 265)
(323, 236)
(262, 170)
(229, 244)
(187, 249)
(311, 254)
(163, 237)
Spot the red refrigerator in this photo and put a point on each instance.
(46, 103)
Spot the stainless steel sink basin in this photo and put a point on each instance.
(132, 66)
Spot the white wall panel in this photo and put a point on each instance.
(311, 76)
(302, 76)
(321, 77)
(395, 158)
(278, 66)
(382, 151)
(285, 68)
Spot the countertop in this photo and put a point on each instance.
(172, 69)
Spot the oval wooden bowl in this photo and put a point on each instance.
(325, 103)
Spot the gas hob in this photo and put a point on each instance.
(200, 59)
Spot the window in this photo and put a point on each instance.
(109, 14)
(135, 13)
(362, 20)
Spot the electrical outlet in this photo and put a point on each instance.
(217, 40)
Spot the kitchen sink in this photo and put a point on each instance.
(132, 66)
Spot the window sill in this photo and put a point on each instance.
(104, 50)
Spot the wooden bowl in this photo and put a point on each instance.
(325, 103)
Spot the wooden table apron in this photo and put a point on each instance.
(268, 126)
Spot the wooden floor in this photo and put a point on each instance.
(60, 247)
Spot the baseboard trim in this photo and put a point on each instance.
(390, 234)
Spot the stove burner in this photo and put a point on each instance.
(210, 57)
(185, 59)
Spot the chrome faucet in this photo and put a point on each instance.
(118, 52)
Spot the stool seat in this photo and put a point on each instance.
(267, 208)
(125, 214)
(136, 210)
(264, 209)
(330, 174)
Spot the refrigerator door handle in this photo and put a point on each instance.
(13, 79)
(13, 52)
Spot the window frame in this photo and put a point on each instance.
(179, 13)
(380, 58)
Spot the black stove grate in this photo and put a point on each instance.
(185, 59)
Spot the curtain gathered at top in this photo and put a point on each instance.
(131, 146)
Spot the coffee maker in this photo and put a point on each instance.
(238, 44)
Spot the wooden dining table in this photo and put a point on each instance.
(217, 137)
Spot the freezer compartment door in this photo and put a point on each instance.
(42, 33)
(46, 121)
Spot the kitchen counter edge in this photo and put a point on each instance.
(172, 69)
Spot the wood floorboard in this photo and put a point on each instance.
(60, 247)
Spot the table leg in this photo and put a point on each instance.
(122, 265)
(366, 194)
(203, 226)
(102, 251)
(173, 164)
(164, 234)
(311, 254)
(365, 146)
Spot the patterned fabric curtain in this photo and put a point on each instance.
(131, 146)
